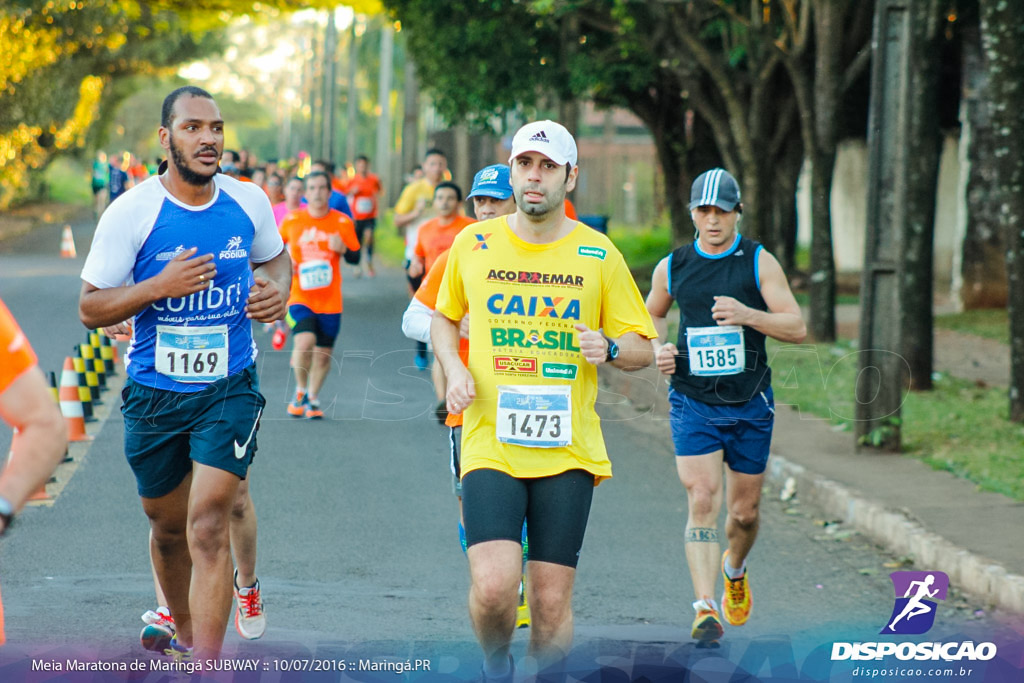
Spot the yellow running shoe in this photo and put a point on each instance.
(736, 600)
(707, 626)
(523, 610)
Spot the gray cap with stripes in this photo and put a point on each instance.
(716, 187)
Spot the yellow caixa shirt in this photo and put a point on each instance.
(534, 410)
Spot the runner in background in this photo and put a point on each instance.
(100, 179)
(413, 208)
(338, 202)
(317, 238)
(364, 191)
(40, 436)
(118, 182)
(433, 237)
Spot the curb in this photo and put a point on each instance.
(893, 529)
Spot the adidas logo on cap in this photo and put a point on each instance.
(549, 138)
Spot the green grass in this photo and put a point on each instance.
(69, 181)
(642, 247)
(957, 427)
(642, 244)
(388, 245)
(991, 324)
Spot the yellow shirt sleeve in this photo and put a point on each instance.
(407, 200)
(451, 295)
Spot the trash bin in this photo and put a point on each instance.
(599, 223)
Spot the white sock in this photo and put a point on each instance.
(735, 573)
(705, 603)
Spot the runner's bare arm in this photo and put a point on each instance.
(183, 275)
(444, 333)
(782, 321)
(659, 301)
(404, 219)
(268, 299)
(39, 445)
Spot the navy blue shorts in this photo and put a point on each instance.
(742, 431)
(166, 431)
(325, 326)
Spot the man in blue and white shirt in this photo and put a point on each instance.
(192, 257)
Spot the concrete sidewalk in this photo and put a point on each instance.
(941, 522)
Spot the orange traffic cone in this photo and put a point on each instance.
(70, 404)
(67, 243)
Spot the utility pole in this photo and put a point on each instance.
(383, 154)
(315, 117)
(883, 371)
(330, 84)
(351, 124)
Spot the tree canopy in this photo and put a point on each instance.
(61, 59)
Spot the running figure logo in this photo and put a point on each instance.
(914, 612)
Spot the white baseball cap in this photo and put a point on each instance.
(547, 137)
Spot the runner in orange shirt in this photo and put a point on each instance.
(363, 191)
(40, 437)
(437, 234)
(570, 209)
(317, 237)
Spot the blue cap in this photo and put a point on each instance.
(492, 181)
(716, 187)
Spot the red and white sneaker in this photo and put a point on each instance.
(250, 620)
(159, 629)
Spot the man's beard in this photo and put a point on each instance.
(537, 212)
(187, 174)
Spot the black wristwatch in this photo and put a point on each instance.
(613, 350)
(6, 514)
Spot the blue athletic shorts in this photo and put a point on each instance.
(325, 326)
(166, 431)
(743, 431)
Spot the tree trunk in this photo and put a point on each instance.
(982, 271)
(1002, 31)
(784, 220)
(670, 141)
(410, 116)
(826, 89)
(924, 142)
(823, 266)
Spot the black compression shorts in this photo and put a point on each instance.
(556, 509)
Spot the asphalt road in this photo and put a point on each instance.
(358, 546)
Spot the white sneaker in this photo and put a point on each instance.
(250, 620)
(159, 629)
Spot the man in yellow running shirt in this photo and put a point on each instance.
(551, 300)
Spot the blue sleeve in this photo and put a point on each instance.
(668, 273)
(338, 202)
(757, 265)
